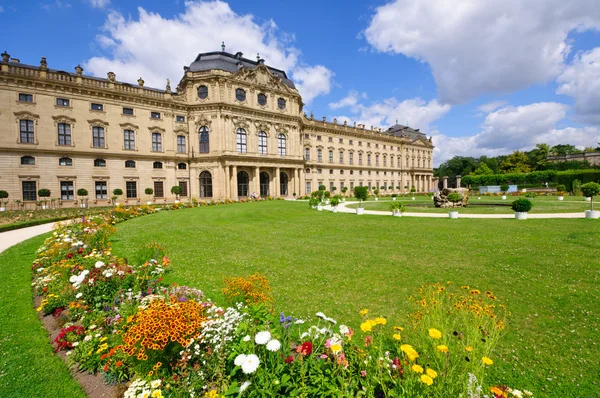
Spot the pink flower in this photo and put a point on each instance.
(323, 356)
(363, 373)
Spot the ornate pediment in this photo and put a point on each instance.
(98, 122)
(64, 119)
(260, 76)
(261, 125)
(156, 128)
(241, 122)
(128, 126)
(26, 115)
(202, 120)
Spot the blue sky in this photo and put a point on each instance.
(482, 78)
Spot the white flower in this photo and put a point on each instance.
(99, 264)
(330, 320)
(92, 327)
(516, 393)
(244, 386)
(273, 345)
(321, 315)
(239, 360)
(262, 337)
(528, 393)
(299, 322)
(155, 383)
(247, 338)
(250, 364)
(85, 272)
(344, 329)
(75, 344)
(78, 295)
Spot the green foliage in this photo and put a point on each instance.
(335, 201)
(117, 192)
(504, 187)
(535, 177)
(590, 190)
(44, 193)
(376, 192)
(413, 189)
(382, 187)
(148, 191)
(516, 162)
(568, 177)
(562, 150)
(521, 205)
(3, 194)
(483, 169)
(333, 189)
(394, 195)
(322, 187)
(531, 195)
(327, 194)
(396, 205)
(344, 189)
(361, 193)
(454, 197)
(561, 188)
(576, 184)
(82, 192)
(176, 190)
(313, 201)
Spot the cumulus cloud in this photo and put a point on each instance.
(491, 106)
(156, 48)
(515, 128)
(99, 3)
(350, 100)
(581, 80)
(477, 47)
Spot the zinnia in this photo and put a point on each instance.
(250, 364)
(273, 345)
(431, 373)
(435, 334)
(417, 368)
(426, 380)
(305, 348)
(262, 338)
(487, 361)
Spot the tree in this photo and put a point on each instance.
(176, 190)
(361, 193)
(538, 156)
(482, 169)
(590, 190)
(562, 150)
(516, 162)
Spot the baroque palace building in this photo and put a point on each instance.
(233, 127)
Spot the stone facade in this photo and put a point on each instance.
(220, 134)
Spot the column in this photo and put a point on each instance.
(277, 182)
(412, 180)
(301, 182)
(257, 180)
(233, 183)
(445, 182)
(458, 178)
(227, 184)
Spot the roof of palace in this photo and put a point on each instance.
(399, 130)
(232, 63)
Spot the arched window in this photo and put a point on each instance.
(130, 164)
(242, 183)
(241, 141)
(204, 140)
(281, 144)
(281, 103)
(262, 99)
(27, 160)
(181, 166)
(262, 142)
(64, 161)
(99, 163)
(240, 95)
(206, 185)
(264, 183)
(283, 184)
(202, 92)
(157, 165)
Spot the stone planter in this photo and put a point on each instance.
(503, 197)
(588, 199)
(521, 215)
(396, 213)
(44, 207)
(393, 198)
(413, 198)
(479, 198)
(176, 201)
(314, 207)
(453, 214)
(561, 198)
(376, 198)
(319, 207)
(593, 214)
(360, 211)
(334, 209)
(149, 202)
(83, 205)
(117, 204)
(2, 208)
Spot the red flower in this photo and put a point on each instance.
(289, 359)
(119, 363)
(305, 349)
(102, 356)
(70, 255)
(106, 368)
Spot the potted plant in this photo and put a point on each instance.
(376, 192)
(390, 188)
(382, 188)
(82, 193)
(176, 190)
(521, 206)
(344, 190)
(361, 194)
(294, 195)
(3, 201)
(397, 209)
(394, 196)
(333, 189)
(560, 190)
(412, 192)
(590, 190)
(52, 202)
(313, 202)
(149, 192)
(44, 193)
(116, 192)
(335, 201)
(454, 197)
(327, 195)
(504, 188)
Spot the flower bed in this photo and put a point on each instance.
(122, 321)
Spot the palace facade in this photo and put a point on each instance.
(232, 127)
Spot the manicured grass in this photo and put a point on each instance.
(14, 219)
(28, 365)
(545, 271)
(486, 205)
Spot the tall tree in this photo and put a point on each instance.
(516, 162)
(564, 149)
(538, 156)
(482, 169)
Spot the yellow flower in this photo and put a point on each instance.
(442, 348)
(409, 351)
(431, 373)
(103, 339)
(417, 368)
(396, 336)
(498, 392)
(380, 321)
(469, 348)
(336, 348)
(157, 394)
(426, 380)
(435, 334)
(487, 361)
(366, 326)
(400, 328)
(364, 312)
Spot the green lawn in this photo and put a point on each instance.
(486, 205)
(28, 365)
(545, 271)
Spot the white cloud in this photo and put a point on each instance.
(477, 47)
(350, 100)
(515, 128)
(581, 80)
(99, 3)
(157, 48)
(58, 4)
(1, 9)
(491, 106)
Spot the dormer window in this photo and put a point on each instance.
(262, 99)
(155, 115)
(281, 103)
(240, 95)
(203, 92)
(97, 107)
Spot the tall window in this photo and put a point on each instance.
(368, 159)
(351, 158)
(241, 142)
(131, 189)
(29, 190)
(242, 183)
(330, 156)
(66, 190)
(391, 161)
(204, 140)
(184, 188)
(26, 127)
(281, 144)
(101, 190)
(129, 139)
(98, 137)
(376, 160)
(283, 184)
(306, 153)
(407, 161)
(159, 191)
(156, 142)
(384, 161)
(319, 155)
(360, 158)
(64, 134)
(307, 187)
(27, 160)
(341, 157)
(205, 185)
(181, 147)
(262, 142)
(64, 161)
(264, 183)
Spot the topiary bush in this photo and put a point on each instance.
(118, 192)
(361, 193)
(82, 192)
(590, 190)
(148, 191)
(521, 205)
(561, 188)
(454, 197)
(44, 193)
(3, 194)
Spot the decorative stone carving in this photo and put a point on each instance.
(141, 82)
(79, 70)
(168, 87)
(112, 77)
(43, 64)
(440, 199)
(202, 120)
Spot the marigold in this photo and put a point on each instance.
(396, 336)
(442, 348)
(487, 361)
(431, 373)
(469, 348)
(417, 368)
(364, 312)
(498, 392)
(435, 334)
(380, 321)
(426, 380)
(409, 351)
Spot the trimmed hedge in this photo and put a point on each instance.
(565, 178)
(32, 223)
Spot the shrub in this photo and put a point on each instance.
(361, 193)
(504, 187)
(394, 195)
(82, 192)
(376, 192)
(3, 194)
(590, 190)
(44, 193)
(390, 187)
(576, 187)
(117, 192)
(176, 190)
(327, 194)
(344, 189)
(397, 206)
(521, 205)
(561, 188)
(148, 191)
(413, 189)
(335, 201)
(454, 197)
(531, 195)
(313, 201)
(333, 189)
(322, 187)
